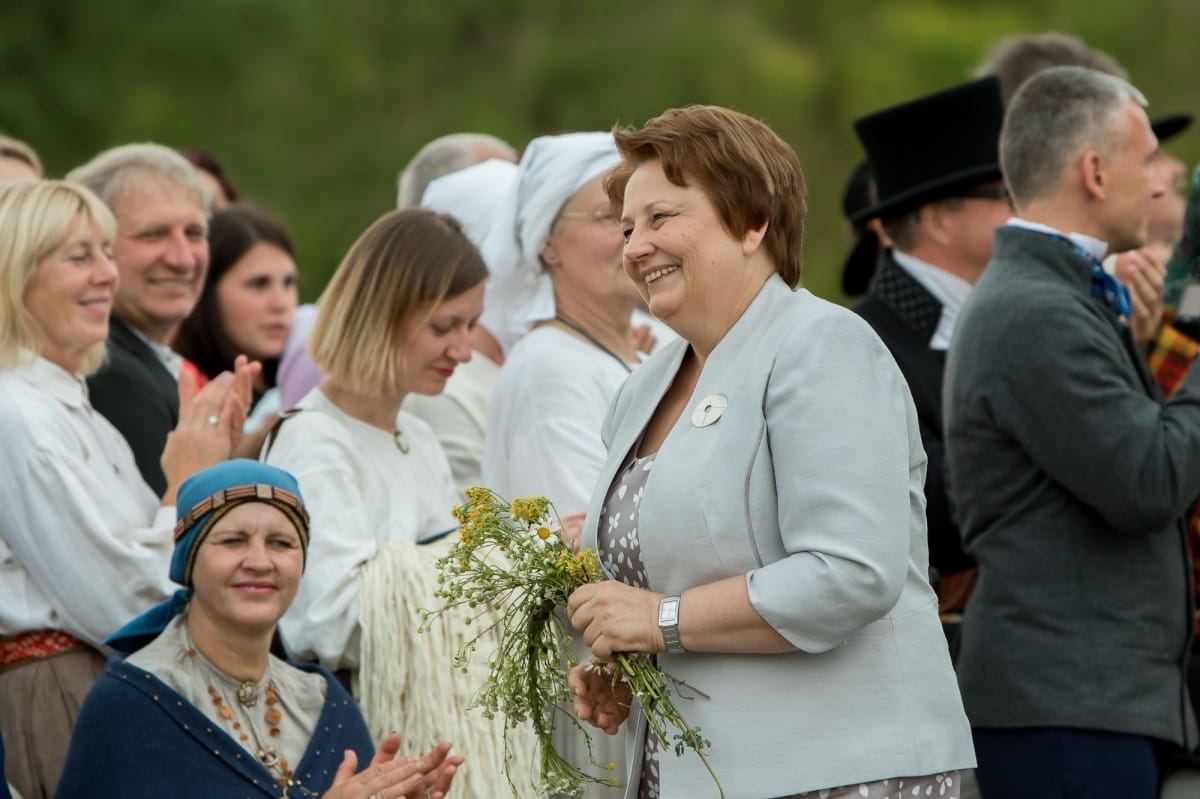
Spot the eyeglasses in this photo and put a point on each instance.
(986, 193)
(599, 217)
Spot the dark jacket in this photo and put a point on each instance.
(905, 316)
(1070, 480)
(137, 739)
(139, 396)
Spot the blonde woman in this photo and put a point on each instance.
(396, 319)
(84, 542)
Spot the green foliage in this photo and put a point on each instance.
(315, 106)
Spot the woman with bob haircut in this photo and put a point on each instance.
(761, 511)
(249, 299)
(395, 319)
(84, 542)
(199, 688)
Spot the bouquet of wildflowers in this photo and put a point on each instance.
(513, 567)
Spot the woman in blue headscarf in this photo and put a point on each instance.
(200, 708)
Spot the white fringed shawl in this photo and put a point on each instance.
(407, 680)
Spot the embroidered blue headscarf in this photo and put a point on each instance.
(203, 500)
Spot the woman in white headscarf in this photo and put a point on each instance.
(458, 415)
(560, 303)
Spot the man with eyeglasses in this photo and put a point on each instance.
(940, 198)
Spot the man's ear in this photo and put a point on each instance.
(932, 220)
(1093, 173)
(549, 255)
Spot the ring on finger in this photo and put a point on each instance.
(213, 420)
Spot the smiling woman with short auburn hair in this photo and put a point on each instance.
(760, 513)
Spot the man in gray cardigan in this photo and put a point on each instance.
(1069, 475)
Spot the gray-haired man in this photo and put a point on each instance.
(1069, 475)
(161, 250)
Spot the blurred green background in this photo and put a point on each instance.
(315, 106)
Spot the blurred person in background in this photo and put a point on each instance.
(444, 155)
(18, 161)
(870, 241)
(212, 172)
(246, 308)
(940, 200)
(83, 540)
(395, 319)
(1013, 60)
(561, 305)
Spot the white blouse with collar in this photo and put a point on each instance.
(84, 545)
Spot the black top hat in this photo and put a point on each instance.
(860, 265)
(1170, 126)
(932, 147)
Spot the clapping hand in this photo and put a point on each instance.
(1143, 272)
(390, 777)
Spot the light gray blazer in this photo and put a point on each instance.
(810, 485)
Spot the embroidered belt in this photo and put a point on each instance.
(37, 644)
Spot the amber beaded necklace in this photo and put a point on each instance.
(248, 695)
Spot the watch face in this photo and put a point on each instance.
(668, 610)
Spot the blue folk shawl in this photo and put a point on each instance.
(136, 738)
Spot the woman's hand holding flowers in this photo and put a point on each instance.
(614, 617)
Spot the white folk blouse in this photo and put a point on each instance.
(361, 492)
(84, 545)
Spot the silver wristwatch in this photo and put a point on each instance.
(668, 623)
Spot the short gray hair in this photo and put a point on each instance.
(1014, 59)
(442, 156)
(119, 171)
(1055, 116)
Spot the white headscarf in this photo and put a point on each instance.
(552, 170)
(472, 195)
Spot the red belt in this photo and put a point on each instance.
(37, 644)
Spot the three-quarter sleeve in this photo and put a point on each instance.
(841, 429)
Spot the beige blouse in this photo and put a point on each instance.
(301, 696)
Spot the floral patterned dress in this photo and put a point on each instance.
(621, 556)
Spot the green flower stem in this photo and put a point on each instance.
(507, 573)
(648, 683)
